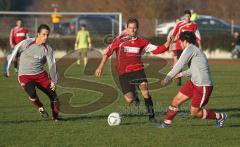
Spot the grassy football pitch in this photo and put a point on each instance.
(21, 124)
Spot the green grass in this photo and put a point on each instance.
(21, 125)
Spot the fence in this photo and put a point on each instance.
(97, 23)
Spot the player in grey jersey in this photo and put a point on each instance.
(34, 53)
(198, 89)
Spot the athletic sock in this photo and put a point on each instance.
(209, 114)
(218, 116)
(55, 108)
(149, 107)
(37, 103)
(171, 113)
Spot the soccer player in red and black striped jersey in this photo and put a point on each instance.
(129, 48)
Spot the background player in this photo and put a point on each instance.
(34, 52)
(128, 48)
(181, 26)
(17, 34)
(198, 89)
(83, 43)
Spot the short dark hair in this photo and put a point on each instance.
(83, 25)
(189, 36)
(133, 20)
(43, 26)
(188, 12)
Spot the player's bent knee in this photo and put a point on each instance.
(129, 97)
(52, 94)
(30, 89)
(195, 111)
(129, 100)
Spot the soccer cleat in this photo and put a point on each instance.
(42, 112)
(163, 125)
(56, 119)
(219, 122)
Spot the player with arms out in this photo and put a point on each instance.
(198, 89)
(181, 26)
(34, 52)
(129, 48)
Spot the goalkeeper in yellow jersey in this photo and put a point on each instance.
(82, 44)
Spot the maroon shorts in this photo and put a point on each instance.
(199, 94)
(40, 79)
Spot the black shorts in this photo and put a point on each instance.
(179, 53)
(129, 81)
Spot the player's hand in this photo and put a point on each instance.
(53, 86)
(165, 81)
(179, 75)
(98, 72)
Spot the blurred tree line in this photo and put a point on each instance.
(147, 11)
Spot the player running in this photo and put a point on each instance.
(129, 48)
(181, 26)
(17, 34)
(34, 52)
(198, 89)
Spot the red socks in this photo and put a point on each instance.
(171, 113)
(209, 114)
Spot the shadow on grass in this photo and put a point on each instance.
(226, 109)
(22, 121)
(182, 114)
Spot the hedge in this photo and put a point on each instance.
(222, 42)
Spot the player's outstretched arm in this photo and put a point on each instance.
(10, 59)
(184, 59)
(101, 66)
(162, 48)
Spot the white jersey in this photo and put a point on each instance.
(198, 70)
(33, 58)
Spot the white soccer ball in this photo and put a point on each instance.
(114, 119)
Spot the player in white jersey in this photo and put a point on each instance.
(34, 53)
(198, 89)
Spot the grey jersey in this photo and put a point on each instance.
(199, 68)
(33, 57)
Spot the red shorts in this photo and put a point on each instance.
(40, 79)
(199, 94)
